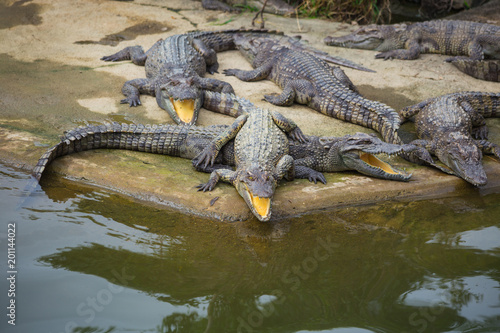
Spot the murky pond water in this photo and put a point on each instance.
(88, 260)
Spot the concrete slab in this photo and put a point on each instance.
(52, 80)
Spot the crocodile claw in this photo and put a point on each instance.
(297, 135)
(385, 55)
(316, 176)
(206, 157)
(230, 72)
(131, 101)
(480, 133)
(112, 57)
(208, 186)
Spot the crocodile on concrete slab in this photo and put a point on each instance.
(356, 152)
(306, 79)
(174, 71)
(472, 40)
(460, 39)
(453, 128)
(261, 152)
(277, 7)
(488, 70)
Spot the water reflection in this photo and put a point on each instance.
(97, 262)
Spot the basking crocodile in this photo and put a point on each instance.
(462, 39)
(174, 71)
(306, 79)
(277, 7)
(452, 127)
(356, 152)
(260, 150)
(488, 70)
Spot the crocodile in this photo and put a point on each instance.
(460, 39)
(261, 152)
(488, 70)
(277, 7)
(306, 79)
(452, 127)
(353, 152)
(174, 71)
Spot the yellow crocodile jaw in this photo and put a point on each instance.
(261, 205)
(184, 109)
(375, 162)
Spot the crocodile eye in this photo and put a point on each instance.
(250, 178)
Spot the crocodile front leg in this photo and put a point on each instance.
(133, 88)
(219, 174)
(215, 85)
(208, 155)
(288, 126)
(208, 53)
(412, 51)
(259, 73)
(299, 90)
(303, 172)
(284, 167)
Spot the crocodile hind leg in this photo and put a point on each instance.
(134, 53)
(489, 148)
(219, 174)
(299, 90)
(477, 48)
(132, 90)
(344, 79)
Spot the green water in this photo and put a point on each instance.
(88, 260)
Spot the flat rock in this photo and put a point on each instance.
(52, 82)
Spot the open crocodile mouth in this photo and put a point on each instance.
(262, 206)
(373, 161)
(184, 109)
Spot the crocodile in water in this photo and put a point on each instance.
(452, 127)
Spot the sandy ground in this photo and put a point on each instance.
(52, 80)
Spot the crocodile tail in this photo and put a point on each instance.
(223, 40)
(225, 103)
(484, 103)
(297, 44)
(488, 70)
(158, 139)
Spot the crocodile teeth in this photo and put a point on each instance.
(184, 109)
(375, 162)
